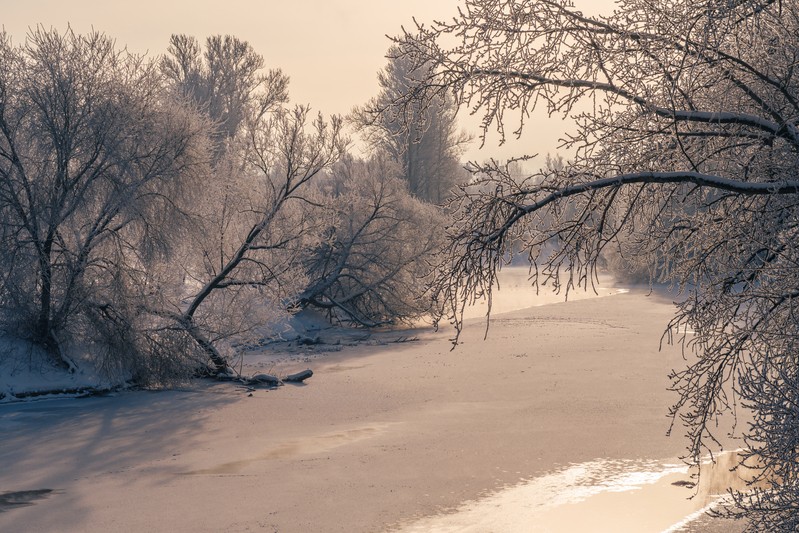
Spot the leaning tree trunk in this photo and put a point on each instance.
(218, 360)
(217, 282)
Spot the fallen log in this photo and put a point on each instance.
(266, 379)
(299, 377)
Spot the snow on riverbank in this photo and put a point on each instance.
(601, 496)
(28, 374)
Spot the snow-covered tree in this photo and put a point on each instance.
(94, 157)
(424, 141)
(225, 80)
(686, 145)
(251, 228)
(371, 260)
(247, 252)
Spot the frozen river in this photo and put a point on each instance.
(557, 418)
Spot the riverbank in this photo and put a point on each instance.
(381, 438)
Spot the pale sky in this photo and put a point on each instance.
(331, 49)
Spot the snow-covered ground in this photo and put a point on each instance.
(28, 374)
(393, 431)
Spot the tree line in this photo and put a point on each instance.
(155, 211)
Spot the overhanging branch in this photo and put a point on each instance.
(660, 178)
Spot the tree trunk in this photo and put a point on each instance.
(43, 334)
(299, 377)
(219, 361)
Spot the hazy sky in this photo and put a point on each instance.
(331, 49)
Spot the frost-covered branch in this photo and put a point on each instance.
(684, 162)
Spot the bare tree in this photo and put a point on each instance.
(151, 213)
(93, 156)
(252, 228)
(686, 146)
(247, 247)
(372, 259)
(225, 81)
(424, 141)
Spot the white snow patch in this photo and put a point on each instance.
(515, 509)
(25, 369)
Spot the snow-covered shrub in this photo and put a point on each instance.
(372, 259)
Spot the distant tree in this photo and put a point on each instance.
(93, 158)
(423, 141)
(225, 80)
(371, 261)
(687, 145)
